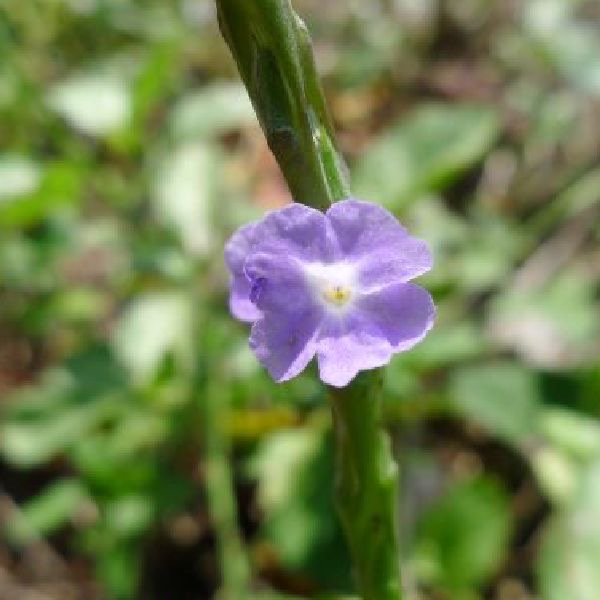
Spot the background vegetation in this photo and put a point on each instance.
(129, 398)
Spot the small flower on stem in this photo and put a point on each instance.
(334, 285)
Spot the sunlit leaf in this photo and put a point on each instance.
(532, 321)
(295, 470)
(572, 432)
(212, 110)
(29, 443)
(152, 327)
(463, 537)
(424, 151)
(47, 512)
(568, 562)
(95, 104)
(59, 183)
(502, 397)
(129, 515)
(45, 420)
(19, 176)
(185, 195)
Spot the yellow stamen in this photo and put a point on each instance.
(337, 295)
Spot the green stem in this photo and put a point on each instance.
(273, 52)
(272, 49)
(366, 487)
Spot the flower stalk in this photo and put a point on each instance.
(366, 487)
(273, 52)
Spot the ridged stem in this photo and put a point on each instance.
(272, 49)
(366, 487)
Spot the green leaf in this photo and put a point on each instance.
(568, 561)
(47, 512)
(212, 110)
(448, 344)
(185, 195)
(502, 397)
(19, 176)
(571, 44)
(69, 403)
(118, 568)
(532, 320)
(153, 327)
(555, 472)
(58, 183)
(295, 471)
(573, 433)
(463, 537)
(424, 151)
(27, 444)
(129, 515)
(153, 82)
(93, 103)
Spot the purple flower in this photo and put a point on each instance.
(332, 285)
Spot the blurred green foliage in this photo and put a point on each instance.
(140, 441)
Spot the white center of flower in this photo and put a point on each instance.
(334, 285)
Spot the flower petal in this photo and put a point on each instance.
(296, 231)
(285, 343)
(238, 247)
(373, 238)
(236, 251)
(240, 305)
(404, 312)
(349, 344)
(277, 283)
(290, 238)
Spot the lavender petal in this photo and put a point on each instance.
(236, 251)
(240, 304)
(371, 237)
(293, 231)
(403, 312)
(286, 344)
(349, 344)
